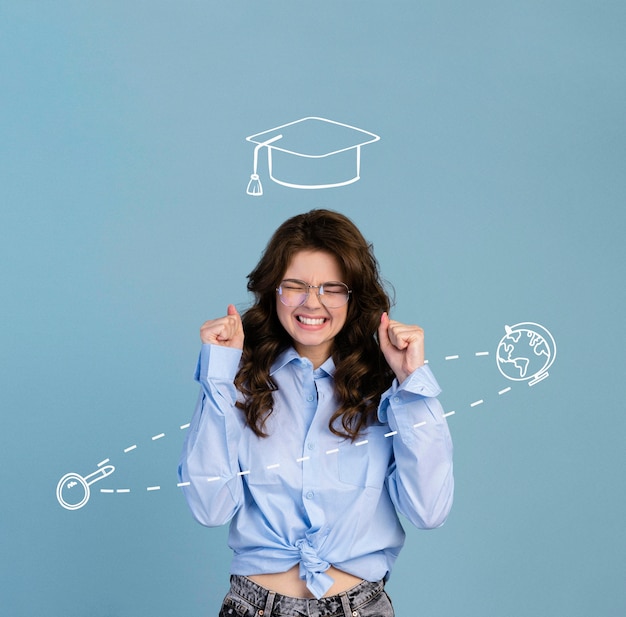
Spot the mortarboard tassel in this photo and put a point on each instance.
(255, 188)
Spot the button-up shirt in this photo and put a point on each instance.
(304, 495)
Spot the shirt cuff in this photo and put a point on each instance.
(421, 383)
(217, 362)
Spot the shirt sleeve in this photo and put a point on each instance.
(208, 468)
(420, 479)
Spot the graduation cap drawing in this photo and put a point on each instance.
(310, 153)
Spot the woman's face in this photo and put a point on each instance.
(313, 326)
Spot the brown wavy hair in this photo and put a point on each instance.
(361, 371)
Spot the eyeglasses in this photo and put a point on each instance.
(295, 293)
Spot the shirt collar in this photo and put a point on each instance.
(291, 355)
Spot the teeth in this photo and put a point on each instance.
(311, 322)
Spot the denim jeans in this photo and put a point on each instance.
(247, 599)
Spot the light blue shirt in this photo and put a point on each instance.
(304, 495)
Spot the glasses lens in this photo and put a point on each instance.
(292, 293)
(334, 295)
(295, 293)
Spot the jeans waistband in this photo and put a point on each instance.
(344, 602)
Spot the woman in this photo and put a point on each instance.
(316, 424)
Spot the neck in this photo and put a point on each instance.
(316, 355)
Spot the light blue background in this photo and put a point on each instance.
(495, 195)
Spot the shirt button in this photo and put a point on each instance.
(310, 495)
(396, 399)
(309, 398)
(311, 445)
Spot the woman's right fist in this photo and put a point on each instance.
(226, 331)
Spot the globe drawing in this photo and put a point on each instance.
(525, 352)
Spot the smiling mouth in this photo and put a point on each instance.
(308, 321)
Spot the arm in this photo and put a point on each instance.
(208, 465)
(420, 481)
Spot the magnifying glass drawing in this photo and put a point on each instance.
(73, 489)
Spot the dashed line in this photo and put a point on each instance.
(481, 353)
(298, 460)
(452, 357)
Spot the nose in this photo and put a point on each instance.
(313, 299)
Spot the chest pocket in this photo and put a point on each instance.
(365, 462)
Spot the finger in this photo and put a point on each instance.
(225, 333)
(232, 323)
(213, 328)
(221, 329)
(398, 335)
(383, 334)
(414, 338)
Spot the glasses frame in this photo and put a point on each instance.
(319, 293)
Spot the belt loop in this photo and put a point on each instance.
(345, 603)
(269, 605)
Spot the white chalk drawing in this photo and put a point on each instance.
(526, 352)
(73, 489)
(310, 153)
